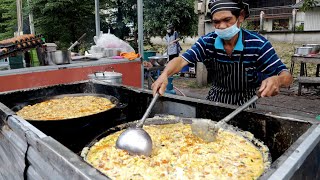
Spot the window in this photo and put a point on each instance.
(280, 24)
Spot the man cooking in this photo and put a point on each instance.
(240, 60)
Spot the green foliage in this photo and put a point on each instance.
(8, 18)
(300, 27)
(249, 25)
(64, 21)
(308, 5)
(159, 13)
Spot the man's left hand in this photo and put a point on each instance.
(270, 87)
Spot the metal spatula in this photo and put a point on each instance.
(207, 129)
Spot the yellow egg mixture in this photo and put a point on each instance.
(65, 108)
(178, 154)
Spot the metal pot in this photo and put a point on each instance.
(303, 51)
(107, 76)
(315, 48)
(60, 57)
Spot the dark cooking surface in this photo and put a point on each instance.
(277, 134)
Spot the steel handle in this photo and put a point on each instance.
(147, 113)
(83, 35)
(77, 42)
(239, 109)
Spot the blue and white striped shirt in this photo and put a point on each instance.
(259, 57)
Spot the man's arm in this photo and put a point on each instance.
(271, 86)
(174, 66)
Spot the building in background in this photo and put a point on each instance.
(311, 17)
(273, 16)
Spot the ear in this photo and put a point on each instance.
(242, 16)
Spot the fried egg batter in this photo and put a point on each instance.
(178, 154)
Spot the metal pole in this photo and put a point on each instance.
(31, 19)
(140, 36)
(19, 16)
(97, 17)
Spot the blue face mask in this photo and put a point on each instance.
(228, 33)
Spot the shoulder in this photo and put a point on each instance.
(208, 38)
(254, 39)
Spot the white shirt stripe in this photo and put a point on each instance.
(195, 54)
(270, 65)
(201, 48)
(254, 40)
(264, 53)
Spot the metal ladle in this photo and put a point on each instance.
(136, 140)
(207, 129)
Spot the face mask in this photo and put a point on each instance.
(168, 31)
(228, 33)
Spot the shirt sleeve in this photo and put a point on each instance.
(268, 62)
(196, 53)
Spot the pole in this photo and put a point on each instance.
(31, 19)
(97, 17)
(140, 36)
(19, 17)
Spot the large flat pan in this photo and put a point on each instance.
(173, 120)
(75, 132)
(19, 106)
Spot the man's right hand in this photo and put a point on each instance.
(174, 66)
(160, 85)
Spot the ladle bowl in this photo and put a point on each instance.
(136, 140)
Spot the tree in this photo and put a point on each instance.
(64, 21)
(159, 13)
(309, 4)
(8, 18)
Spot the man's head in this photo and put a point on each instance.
(228, 15)
(170, 28)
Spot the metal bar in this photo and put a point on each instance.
(97, 17)
(140, 36)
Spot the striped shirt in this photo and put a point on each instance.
(259, 57)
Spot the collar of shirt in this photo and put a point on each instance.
(218, 44)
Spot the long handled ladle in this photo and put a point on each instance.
(207, 129)
(136, 140)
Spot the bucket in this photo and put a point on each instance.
(16, 62)
(147, 54)
(185, 69)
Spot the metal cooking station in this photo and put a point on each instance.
(35, 152)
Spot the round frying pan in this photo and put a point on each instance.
(165, 120)
(72, 132)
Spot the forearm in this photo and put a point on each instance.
(174, 66)
(176, 40)
(285, 79)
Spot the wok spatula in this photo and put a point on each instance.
(207, 129)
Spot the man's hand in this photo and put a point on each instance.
(270, 87)
(174, 66)
(160, 85)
